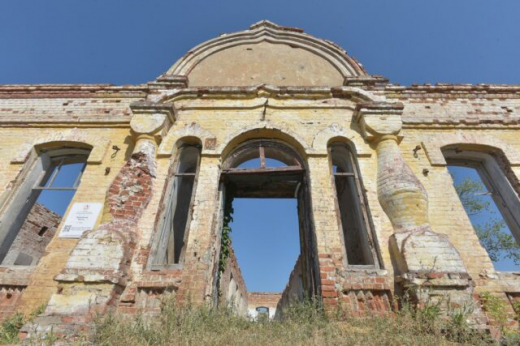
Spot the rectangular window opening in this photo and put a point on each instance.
(479, 196)
(52, 184)
(352, 208)
(169, 246)
(43, 230)
(264, 258)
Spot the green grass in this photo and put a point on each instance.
(10, 327)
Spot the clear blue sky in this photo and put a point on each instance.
(126, 42)
(130, 42)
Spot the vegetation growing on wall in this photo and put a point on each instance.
(10, 327)
(225, 242)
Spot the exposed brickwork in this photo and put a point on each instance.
(99, 263)
(233, 289)
(267, 300)
(131, 190)
(355, 292)
(359, 303)
(36, 233)
(9, 299)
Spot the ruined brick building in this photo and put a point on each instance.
(365, 159)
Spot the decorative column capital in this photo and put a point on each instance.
(379, 120)
(151, 120)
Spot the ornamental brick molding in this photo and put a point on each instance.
(434, 145)
(98, 144)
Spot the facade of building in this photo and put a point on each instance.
(366, 160)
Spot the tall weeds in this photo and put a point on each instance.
(302, 324)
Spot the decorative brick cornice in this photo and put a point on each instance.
(363, 81)
(267, 90)
(169, 82)
(13, 91)
(470, 91)
(146, 107)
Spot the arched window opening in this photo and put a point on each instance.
(352, 205)
(264, 185)
(491, 202)
(174, 220)
(257, 163)
(36, 211)
(265, 154)
(264, 168)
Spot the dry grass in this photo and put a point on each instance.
(303, 324)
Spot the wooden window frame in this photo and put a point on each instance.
(157, 260)
(502, 192)
(362, 201)
(37, 172)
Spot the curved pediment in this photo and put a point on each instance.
(266, 54)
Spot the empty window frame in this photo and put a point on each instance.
(172, 235)
(495, 180)
(35, 212)
(352, 206)
(262, 313)
(265, 169)
(268, 168)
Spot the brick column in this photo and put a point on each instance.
(355, 291)
(329, 245)
(426, 262)
(97, 270)
(203, 245)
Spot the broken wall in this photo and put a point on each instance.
(233, 290)
(36, 233)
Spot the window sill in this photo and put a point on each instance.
(367, 269)
(15, 275)
(510, 281)
(164, 268)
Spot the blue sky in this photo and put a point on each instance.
(491, 213)
(266, 241)
(126, 41)
(130, 42)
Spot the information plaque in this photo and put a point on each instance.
(82, 217)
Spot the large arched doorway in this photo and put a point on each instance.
(266, 169)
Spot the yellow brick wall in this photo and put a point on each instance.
(93, 187)
(297, 121)
(447, 215)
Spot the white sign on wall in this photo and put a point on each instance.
(82, 217)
